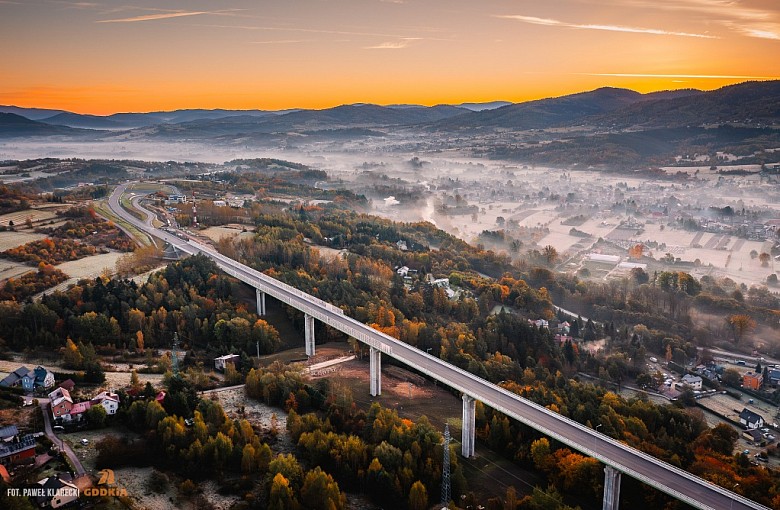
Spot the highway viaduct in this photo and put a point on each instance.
(617, 457)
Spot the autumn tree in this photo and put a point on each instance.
(741, 324)
(550, 254)
(321, 492)
(418, 496)
(635, 252)
(281, 496)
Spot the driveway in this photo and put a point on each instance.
(62, 445)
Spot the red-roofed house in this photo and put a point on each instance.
(61, 402)
(78, 410)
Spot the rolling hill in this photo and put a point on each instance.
(12, 125)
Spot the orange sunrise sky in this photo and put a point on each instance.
(106, 56)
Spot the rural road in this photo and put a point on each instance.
(62, 445)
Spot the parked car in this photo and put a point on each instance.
(85, 442)
(58, 428)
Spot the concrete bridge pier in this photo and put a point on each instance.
(469, 429)
(308, 328)
(611, 488)
(260, 302)
(375, 363)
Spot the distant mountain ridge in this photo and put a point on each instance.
(755, 104)
(413, 114)
(13, 125)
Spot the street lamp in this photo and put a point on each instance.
(594, 437)
(732, 499)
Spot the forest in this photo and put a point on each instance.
(482, 326)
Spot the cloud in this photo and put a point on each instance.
(758, 30)
(151, 17)
(609, 28)
(699, 76)
(283, 41)
(748, 21)
(393, 45)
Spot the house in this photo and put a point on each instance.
(68, 384)
(401, 245)
(61, 402)
(15, 378)
(539, 323)
(109, 401)
(750, 419)
(11, 379)
(403, 270)
(77, 411)
(693, 381)
(221, 362)
(17, 450)
(752, 381)
(29, 379)
(8, 433)
(43, 378)
(773, 377)
(57, 492)
(752, 435)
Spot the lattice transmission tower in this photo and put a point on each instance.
(445, 468)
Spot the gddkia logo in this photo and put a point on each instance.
(106, 485)
(106, 477)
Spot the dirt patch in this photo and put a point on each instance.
(229, 231)
(270, 421)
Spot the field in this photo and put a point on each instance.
(113, 379)
(10, 240)
(90, 267)
(217, 233)
(34, 215)
(11, 269)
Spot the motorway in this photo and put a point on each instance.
(676, 482)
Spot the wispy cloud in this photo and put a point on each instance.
(301, 30)
(698, 76)
(283, 41)
(609, 28)
(394, 45)
(758, 30)
(152, 17)
(745, 20)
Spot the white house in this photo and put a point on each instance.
(109, 401)
(750, 419)
(694, 381)
(222, 361)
